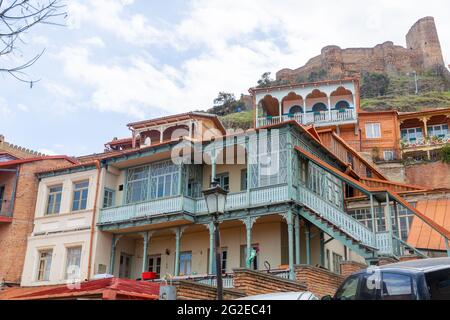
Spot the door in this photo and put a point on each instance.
(186, 263)
(154, 265)
(125, 266)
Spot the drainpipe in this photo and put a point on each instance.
(94, 214)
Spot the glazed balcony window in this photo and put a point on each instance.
(45, 263)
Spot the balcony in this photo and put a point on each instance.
(434, 141)
(323, 118)
(183, 204)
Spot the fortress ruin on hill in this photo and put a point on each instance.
(423, 53)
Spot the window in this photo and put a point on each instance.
(373, 130)
(80, 195)
(73, 264)
(255, 264)
(412, 135)
(368, 290)
(186, 263)
(243, 179)
(137, 185)
(337, 259)
(125, 266)
(154, 265)
(369, 173)
(2, 194)
(164, 179)
(224, 180)
(224, 259)
(349, 290)
(45, 263)
(389, 155)
(440, 131)
(54, 200)
(108, 198)
(397, 287)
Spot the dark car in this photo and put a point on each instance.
(427, 279)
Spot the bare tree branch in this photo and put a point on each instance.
(17, 17)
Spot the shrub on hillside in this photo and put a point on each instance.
(374, 85)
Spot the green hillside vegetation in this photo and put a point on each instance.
(240, 120)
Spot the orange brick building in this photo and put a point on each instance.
(18, 191)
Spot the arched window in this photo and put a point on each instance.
(295, 109)
(342, 105)
(318, 107)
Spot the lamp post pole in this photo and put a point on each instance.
(218, 258)
(215, 201)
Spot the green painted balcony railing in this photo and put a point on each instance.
(259, 196)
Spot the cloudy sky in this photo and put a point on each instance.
(119, 61)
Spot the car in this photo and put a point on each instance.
(283, 296)
(427, 279)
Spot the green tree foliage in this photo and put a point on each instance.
(374, 85)
(226, 103)
(266, 80)
(445, 154)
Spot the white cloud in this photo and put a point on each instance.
(109, 15)
(94, 41)
(22, 107)
(5, 110)
(58, 89)
(236, 42)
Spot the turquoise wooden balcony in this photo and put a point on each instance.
(183, 204)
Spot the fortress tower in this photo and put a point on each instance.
(424, 40)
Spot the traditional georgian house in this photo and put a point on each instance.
(297, 195)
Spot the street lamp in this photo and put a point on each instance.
(216, 198)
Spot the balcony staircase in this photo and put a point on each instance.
(344, 228)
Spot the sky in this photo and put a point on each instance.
(119, 61)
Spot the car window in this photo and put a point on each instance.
(438, 283)
(397, 287)
(349, 289)
(368, 290)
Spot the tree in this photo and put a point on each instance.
(224, 99)
(374, 85)
(445, 154)
(266, 80)
(17, 17)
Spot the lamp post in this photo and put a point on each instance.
(215, 201)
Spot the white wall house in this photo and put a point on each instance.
(58, 248)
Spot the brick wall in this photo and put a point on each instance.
(350, 267)
(13, 236)
(419, 174)
(319, 281)
(191, 290)
(256, 283)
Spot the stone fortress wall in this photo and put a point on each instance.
(423, 53)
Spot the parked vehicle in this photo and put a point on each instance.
(427, 279)
(283, 296)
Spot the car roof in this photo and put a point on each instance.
(421, 265)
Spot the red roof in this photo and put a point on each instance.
(108, 289)
(22, 161)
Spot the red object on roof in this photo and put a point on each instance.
(106, 289)
(22, 161)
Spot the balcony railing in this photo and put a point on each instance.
(336, 216)
(426, 142)
(324, 118)
(258, 196)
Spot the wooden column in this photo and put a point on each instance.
(297, 240)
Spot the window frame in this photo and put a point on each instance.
(113, 198)
(50, 194)
(80, 200)
(47, 261)
(371, 132)
(67, 260)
